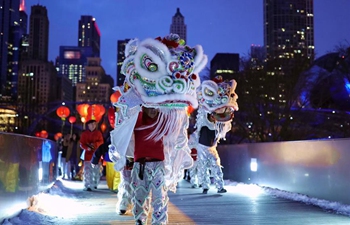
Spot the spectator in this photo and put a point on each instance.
(64, 159)
(73, 155)
(90, 141)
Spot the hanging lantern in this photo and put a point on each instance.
(44, 134)
(103, 127)
(37, 134)
(83, 120)
(59, 134)
(95, 112)
(83, 109)
(72, 120)
(56, 137)
(111, 116)
(102, 110)
(115, 96)
(63, 112)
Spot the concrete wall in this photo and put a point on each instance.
(317, 168)
(28, 165)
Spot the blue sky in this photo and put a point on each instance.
(225, 26)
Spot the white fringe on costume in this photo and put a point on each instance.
(172, 126)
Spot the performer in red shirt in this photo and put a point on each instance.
(90, 140)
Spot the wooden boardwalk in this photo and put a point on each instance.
(189, 206)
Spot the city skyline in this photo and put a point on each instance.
(208, 24)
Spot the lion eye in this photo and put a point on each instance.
(148, 64)
(208, 92)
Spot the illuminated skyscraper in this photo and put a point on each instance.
(89, 34)
(178, 25)
(120, 59)
(72, 62)
(289, 29)
(9, 16)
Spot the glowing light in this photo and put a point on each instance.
(250, 190)
(22, 6)
(253, 164)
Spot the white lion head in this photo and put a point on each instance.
(164, 71)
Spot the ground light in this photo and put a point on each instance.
(253, 164)
(250, 190)
(59, 203)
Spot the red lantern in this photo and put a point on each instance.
(59, 134)
(37, 134)
(63, 112)
(83, 109)
(95, 112)
(111, 116)
(44, 134)
(115, 96)
(103, 127)
(72, 119)
(102, 110)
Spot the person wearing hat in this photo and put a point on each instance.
(90, 141)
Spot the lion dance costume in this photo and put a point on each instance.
(160, 73)
(217, 104)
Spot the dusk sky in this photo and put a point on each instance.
(220, 26)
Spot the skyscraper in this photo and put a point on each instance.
(289, 29)
(120, 59)
(9, 16)
(38, 33)
(37, 76)
(178, 25)
(89, 34)
(18, 33)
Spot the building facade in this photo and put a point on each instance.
(37, 79)
(38, 33)
(92, 90)
(89, 34)
(225, 65)
(120, 59)
(9, 19)
(178, 25)
(289, 30)
(72, 62)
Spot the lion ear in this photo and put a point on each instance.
(131, 47)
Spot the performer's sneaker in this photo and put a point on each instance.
(205, 191)
(195, 186)
(222, 190)
(122, 212)
(87, 189)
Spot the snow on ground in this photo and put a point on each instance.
(42, 211)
